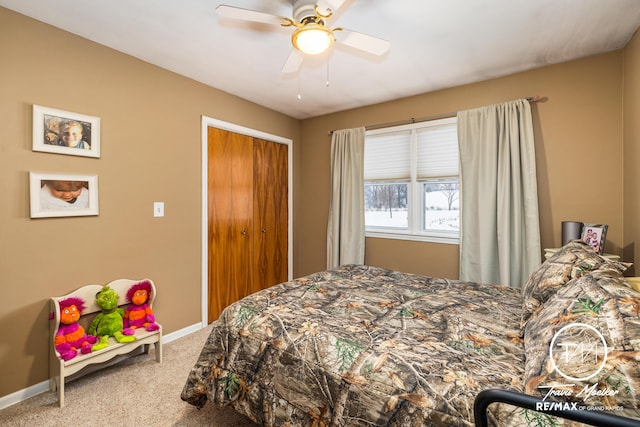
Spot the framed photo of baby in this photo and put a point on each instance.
(59, 195)
(64, 132)
(595, 235)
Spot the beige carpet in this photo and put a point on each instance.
(137, 391)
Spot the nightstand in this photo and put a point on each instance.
(634, 282)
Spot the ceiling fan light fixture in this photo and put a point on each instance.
(312, 38)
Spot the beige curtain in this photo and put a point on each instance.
(345, 231)
(499, 225)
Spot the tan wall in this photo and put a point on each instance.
(632, 150)
(578, 130)
(151, 147)
(151, 152)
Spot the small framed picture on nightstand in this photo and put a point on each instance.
(595, 235)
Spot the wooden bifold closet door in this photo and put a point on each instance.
(248, 216)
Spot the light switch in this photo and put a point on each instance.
(158, 209)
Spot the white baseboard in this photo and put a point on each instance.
(36, 389)
(182, 332)
(24, 394)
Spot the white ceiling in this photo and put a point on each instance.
(435, 44)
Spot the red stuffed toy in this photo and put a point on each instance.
(71, 336)
(139, 313)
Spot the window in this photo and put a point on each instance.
(412, 185)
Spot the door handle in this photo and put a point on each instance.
(264, 230)
(243, 232)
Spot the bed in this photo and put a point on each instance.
(361, 345)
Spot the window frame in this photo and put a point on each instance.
(415, 193)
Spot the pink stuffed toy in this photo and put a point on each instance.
(71, 336)
(139, 313)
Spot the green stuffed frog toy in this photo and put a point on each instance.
(110, 322)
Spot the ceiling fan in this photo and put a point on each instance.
(311, 35)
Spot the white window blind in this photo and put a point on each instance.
(436, 155)
(387, 156)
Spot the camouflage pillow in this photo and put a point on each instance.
(568, 263)
(565, 344)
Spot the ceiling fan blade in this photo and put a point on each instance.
(364, 42)
(333, 5)
(293, 62)
(233, 12)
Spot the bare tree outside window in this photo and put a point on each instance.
(386, 204)
(441, 205)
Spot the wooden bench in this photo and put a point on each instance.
(61, 370)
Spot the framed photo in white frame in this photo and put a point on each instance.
(595, 235)
(65, 132)
(60, 195)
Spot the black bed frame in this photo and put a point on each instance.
(594, 418)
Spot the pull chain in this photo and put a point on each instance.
(327, 82)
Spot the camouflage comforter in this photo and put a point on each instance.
(363, 346)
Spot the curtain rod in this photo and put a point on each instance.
(413, 120)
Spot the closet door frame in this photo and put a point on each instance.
(208, 122)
